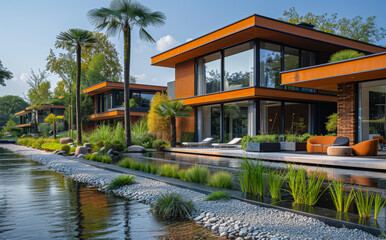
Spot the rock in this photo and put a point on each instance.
(73, 145)
(89, 149)
(71, 154)
(214, 228)
(95, 153)
(81, 150)
(198, 218)
(102, 149)
(87, 145)
(81, 156)
(56, 151)
(110, 152)
(66, 140)
(242, 233)
(116, 153)
(239, 238)
(212, 220)
(231, 236)
(61, 153)
(135, 148)
(223, 234)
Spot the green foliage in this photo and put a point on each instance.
(345, 55)
(109, 134)
(121, 181)
(50, 146)
(218, 196)
(160, 144)
(258, 139)
(65, 148)
(131, 164)
(158, 125)
(275, 181)
(172, 206)
(100, 144)
(379, 203)
(332, 122)
(187, 137)
(251, 177)
(169, 170)
(364, 203)
(197, 174)
(140, 133)
(339, 197)
(9, 105)
(355, 28)
(221, 179)
(5, 74)
(39, 88)
(102, 158)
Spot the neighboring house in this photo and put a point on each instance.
(31, 116)
(361, 87)
(108, 98)
(231, 78)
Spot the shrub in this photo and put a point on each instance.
(66, 148)
(251, 177)
(121, 181)
(172, 206)
(332, 122)
(305, 137)
(221, 179)
(109, 134)
(216, 196)
(51, 146)
(344, 55)
(44, 129)
(139, 131)
(73, 149)
(100, 144)
(197, 174)
(96, 158)
(187, 137)
(169, 170)
(258, 139)
(160, 144)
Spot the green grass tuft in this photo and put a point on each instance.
(221, 179)
(378, 205)
(121, 181)
(197, 174)
(275, 181)
(172, 206)
(251, 177)
(364, 203)
(217, 196)
(169, 170)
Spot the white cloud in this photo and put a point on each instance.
(189, 39)
(24, 77)
(141, 46)
(140, 77)
(166, 43)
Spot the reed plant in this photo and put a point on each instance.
(275, 181)
(348, 200)
(221, 179)
(314, 186)
(169, 170)
(379, 203)
(251, 177)
(172, 206)
(121, 181)
(218, 196)
(197, 174)
(364, 203)
(341, 200)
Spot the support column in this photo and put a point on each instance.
(347, 111)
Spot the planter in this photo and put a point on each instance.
(293, 146)
(263, 147)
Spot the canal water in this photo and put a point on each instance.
(36, 203)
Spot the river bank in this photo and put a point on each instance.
(233, 218)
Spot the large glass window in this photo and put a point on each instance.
(235, 120)
(270, 117)
(146, 99)
(372, 109)
(209, 73)
(291, 58)
(270, 65)
(137, 99)
(238, 66)
(297, 117)
(119, 97)
(209, 122)
(308, 58)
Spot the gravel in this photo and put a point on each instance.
(229, 219)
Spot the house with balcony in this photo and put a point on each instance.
(108, 99)
(232, 78)
(34, 115)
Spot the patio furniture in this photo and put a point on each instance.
(319, 144)
(233, 143)
(203, 143)
(366, 148)
(382, 141)
(339, 151)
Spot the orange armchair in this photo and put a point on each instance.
(366, 148)
(319, 143)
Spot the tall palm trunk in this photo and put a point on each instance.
(174, 131)
(77, 96)
(54, 128)
(126, 77)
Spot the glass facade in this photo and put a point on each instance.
(210, 121)
(270, 117)
(270, 65)
(372, 109)
(297, 117)
(209, 73)
(235, 120)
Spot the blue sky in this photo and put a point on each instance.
(29, 29)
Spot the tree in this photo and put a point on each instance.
(344, 55)
(9, 105)
(354, 28)
(39, 92)
(78, 38)
(171, 110)
(124, 15)
(52, 119)
(157, 124)
(4, 74)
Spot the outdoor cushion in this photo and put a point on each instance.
(366, 148)
(341, 141)
(320, 143)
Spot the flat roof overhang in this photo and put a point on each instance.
(24, 125)
(256, 92)
(108, 86)
(264, 28)
(45, 106)
(328, 76)
(114, 114)
(24, 112)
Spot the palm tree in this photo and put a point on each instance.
(78, 38)
(344, 55)
(173, 109)
(124, 15)
(52, 119)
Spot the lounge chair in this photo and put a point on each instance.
(233, 143)
(366, 148)
(203, 143)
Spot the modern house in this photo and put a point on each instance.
(32, 116)
(231, 77)
(361, 87)
(108, 99)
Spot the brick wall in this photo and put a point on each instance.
(347, 111)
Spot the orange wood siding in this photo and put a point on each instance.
(115, 114)
(184, 83)
(107, 86)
